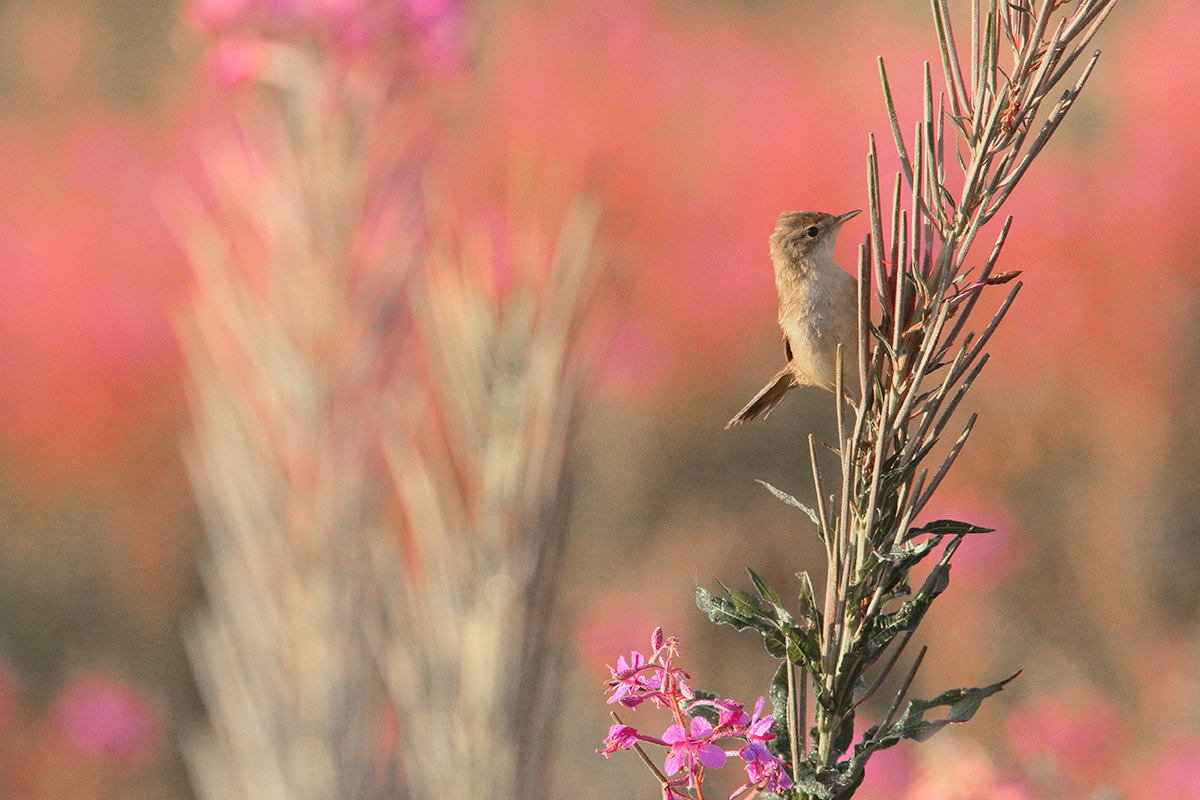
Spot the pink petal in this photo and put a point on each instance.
(711, 756)
(675, 760)
(701, 728)
(674, 734)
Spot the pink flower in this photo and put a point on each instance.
(235, 60)
(1174, 773)
(104, 717)
(629, 684)
(620, 737)
(1082, 740)
(759, 729)
(671, 680)
(692, 748)
(730, 715)
(432, 28)
(764, 769)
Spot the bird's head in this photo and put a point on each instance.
(806, 236)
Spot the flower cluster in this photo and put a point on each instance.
(430, 35)
(339, 22)
(691, 741)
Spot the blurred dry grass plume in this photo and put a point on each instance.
(322, 361)
(289, 342)
(479, 480)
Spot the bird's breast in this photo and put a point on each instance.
(817, 315)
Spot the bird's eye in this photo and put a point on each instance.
(812, 232)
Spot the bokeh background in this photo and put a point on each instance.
(697, 122)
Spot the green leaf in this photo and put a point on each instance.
(791, 501)
(1021, 9)
(947, 197)
(908, 553)
(913, 611)
(809, 781)
(884, 338)
(775, 646)
(744, 602)
(947, 527)
(809, 609)
(809, 644)
(912, 725)
(740, 613)
(938, 580)
(910, 613)
(781, 744)
(764, 590)
(845, 734)
(963, 703)
(719, 609)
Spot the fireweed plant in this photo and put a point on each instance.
(919, 356)
(700, 720)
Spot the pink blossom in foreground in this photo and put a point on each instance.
(620, 737)
(630, 685)
(687, 748)
(692, 744)
(759, 727)
(764, 769)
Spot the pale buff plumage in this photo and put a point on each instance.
(818, 309)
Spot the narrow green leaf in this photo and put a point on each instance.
(795, 653)
(908, 554)
(781, 744)
(764, 590)
(810, 648)
(913, 611)
(704, 599)
(923, 731)
(963, 703)
(947, 527)
(791, 501)
(939, 579)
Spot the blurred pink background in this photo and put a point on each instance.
(699, 122)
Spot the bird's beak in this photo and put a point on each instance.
(847, 216)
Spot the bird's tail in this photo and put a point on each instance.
(767, 398)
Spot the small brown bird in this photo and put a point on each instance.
(818, 309)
